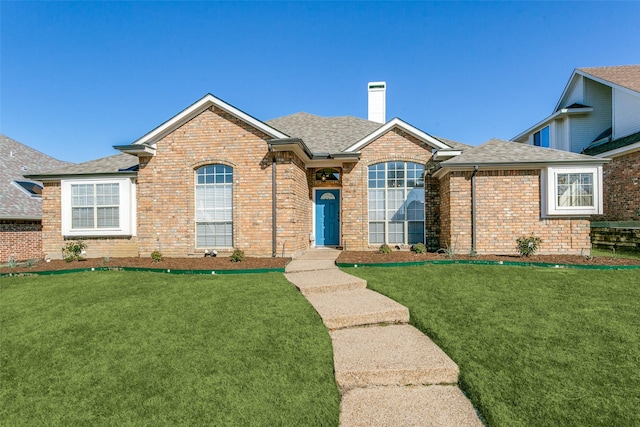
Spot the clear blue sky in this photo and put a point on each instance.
(80, 77)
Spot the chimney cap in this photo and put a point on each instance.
(377, 85)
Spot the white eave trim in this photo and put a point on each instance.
(139, 150)
(560, 113)
(198, 107)
(311, 160)
(446, 154)
(396, 122)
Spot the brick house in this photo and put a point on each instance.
(214, 177)
(598, 114)
(20, 200)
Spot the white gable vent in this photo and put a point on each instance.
(377, 101)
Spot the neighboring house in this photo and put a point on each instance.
(20, 200)
(599, 114)
(214, 177)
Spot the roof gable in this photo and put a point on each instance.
(198, 107)
(397, 123)
(623, 77)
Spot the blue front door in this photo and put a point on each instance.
(327, 217)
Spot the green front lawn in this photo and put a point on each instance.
(535, 347)
(115, 348)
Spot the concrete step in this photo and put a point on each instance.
(357, 307)
(298, 265)
(320, 253)
(432, 406)
(389, 355)
(322, 281)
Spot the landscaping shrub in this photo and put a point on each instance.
(419, 248)
(385, 249)
(528, 245)
(237, 255)
(74, 250)
(156, 256)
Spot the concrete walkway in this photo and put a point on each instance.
(388, 372)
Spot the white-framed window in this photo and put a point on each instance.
(541, 138)
(572, 191)
(396, 203)
(214, 206)
(98, 207)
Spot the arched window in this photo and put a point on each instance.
(396, 203)
(214, 206)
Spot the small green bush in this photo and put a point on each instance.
(237, 255)
(528, 245)
(419, 248)
(74, 250)
(156, 256)
(13, 262)
(385, 249)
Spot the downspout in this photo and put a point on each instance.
(473, 209)
(274, 217)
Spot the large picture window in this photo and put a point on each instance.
(396, 203)
(98, 207)
(214, 206)
(95, 206)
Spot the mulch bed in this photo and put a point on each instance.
(375, 257)
(200, 263)
(351, 257)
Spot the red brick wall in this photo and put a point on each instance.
(166, 194)
(621, 189)
(507, 206)
(20, 240)
(53, 241)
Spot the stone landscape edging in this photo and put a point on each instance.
(339, 264)
(144, 269)
(488, 262)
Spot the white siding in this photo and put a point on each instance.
(626, 113)
(575, 93)
(585, 129)
(559, 138)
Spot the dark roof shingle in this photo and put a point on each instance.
(500, 152)
(16, 161)
(324, 134)
(105, 165)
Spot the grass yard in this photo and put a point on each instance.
(620, 253)
(117, 348)
(535, 347)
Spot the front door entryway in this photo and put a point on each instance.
(327, 217)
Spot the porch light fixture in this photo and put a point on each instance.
(327, 174)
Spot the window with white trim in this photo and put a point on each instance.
(95, 206)
(572, 191)
(396, 203)
(98, 207)
(214, 206)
